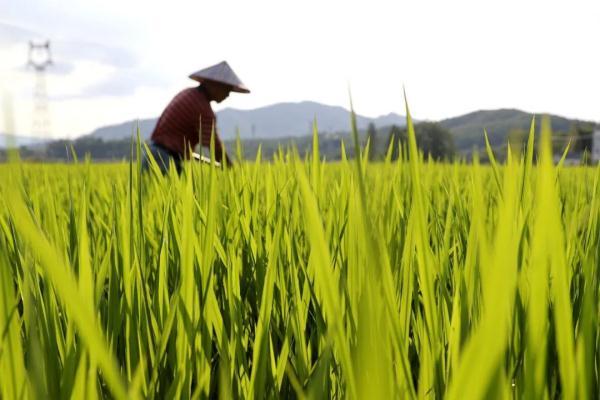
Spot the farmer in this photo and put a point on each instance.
(189, 118)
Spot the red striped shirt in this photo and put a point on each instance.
(187, 121)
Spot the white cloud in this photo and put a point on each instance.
(452, 57)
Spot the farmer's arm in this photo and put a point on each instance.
(208, 122)
(220, 151)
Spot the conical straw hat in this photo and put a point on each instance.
(222, 73)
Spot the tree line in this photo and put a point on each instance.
(432, 139)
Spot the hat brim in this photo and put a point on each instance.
(234, 88)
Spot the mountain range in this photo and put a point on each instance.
(274, 121)
(467, 130)
(282, 122)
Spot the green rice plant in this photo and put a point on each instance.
(301, 278)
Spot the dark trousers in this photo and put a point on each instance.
(163, 158)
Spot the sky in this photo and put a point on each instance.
(120, 60)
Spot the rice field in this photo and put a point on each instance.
(299, 278)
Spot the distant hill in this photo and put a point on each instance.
(467, 129)
(15, 140)
(284, 124)
(124, 130)
(293, 119)
(274, 121)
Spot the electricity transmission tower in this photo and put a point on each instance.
(40, 58)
